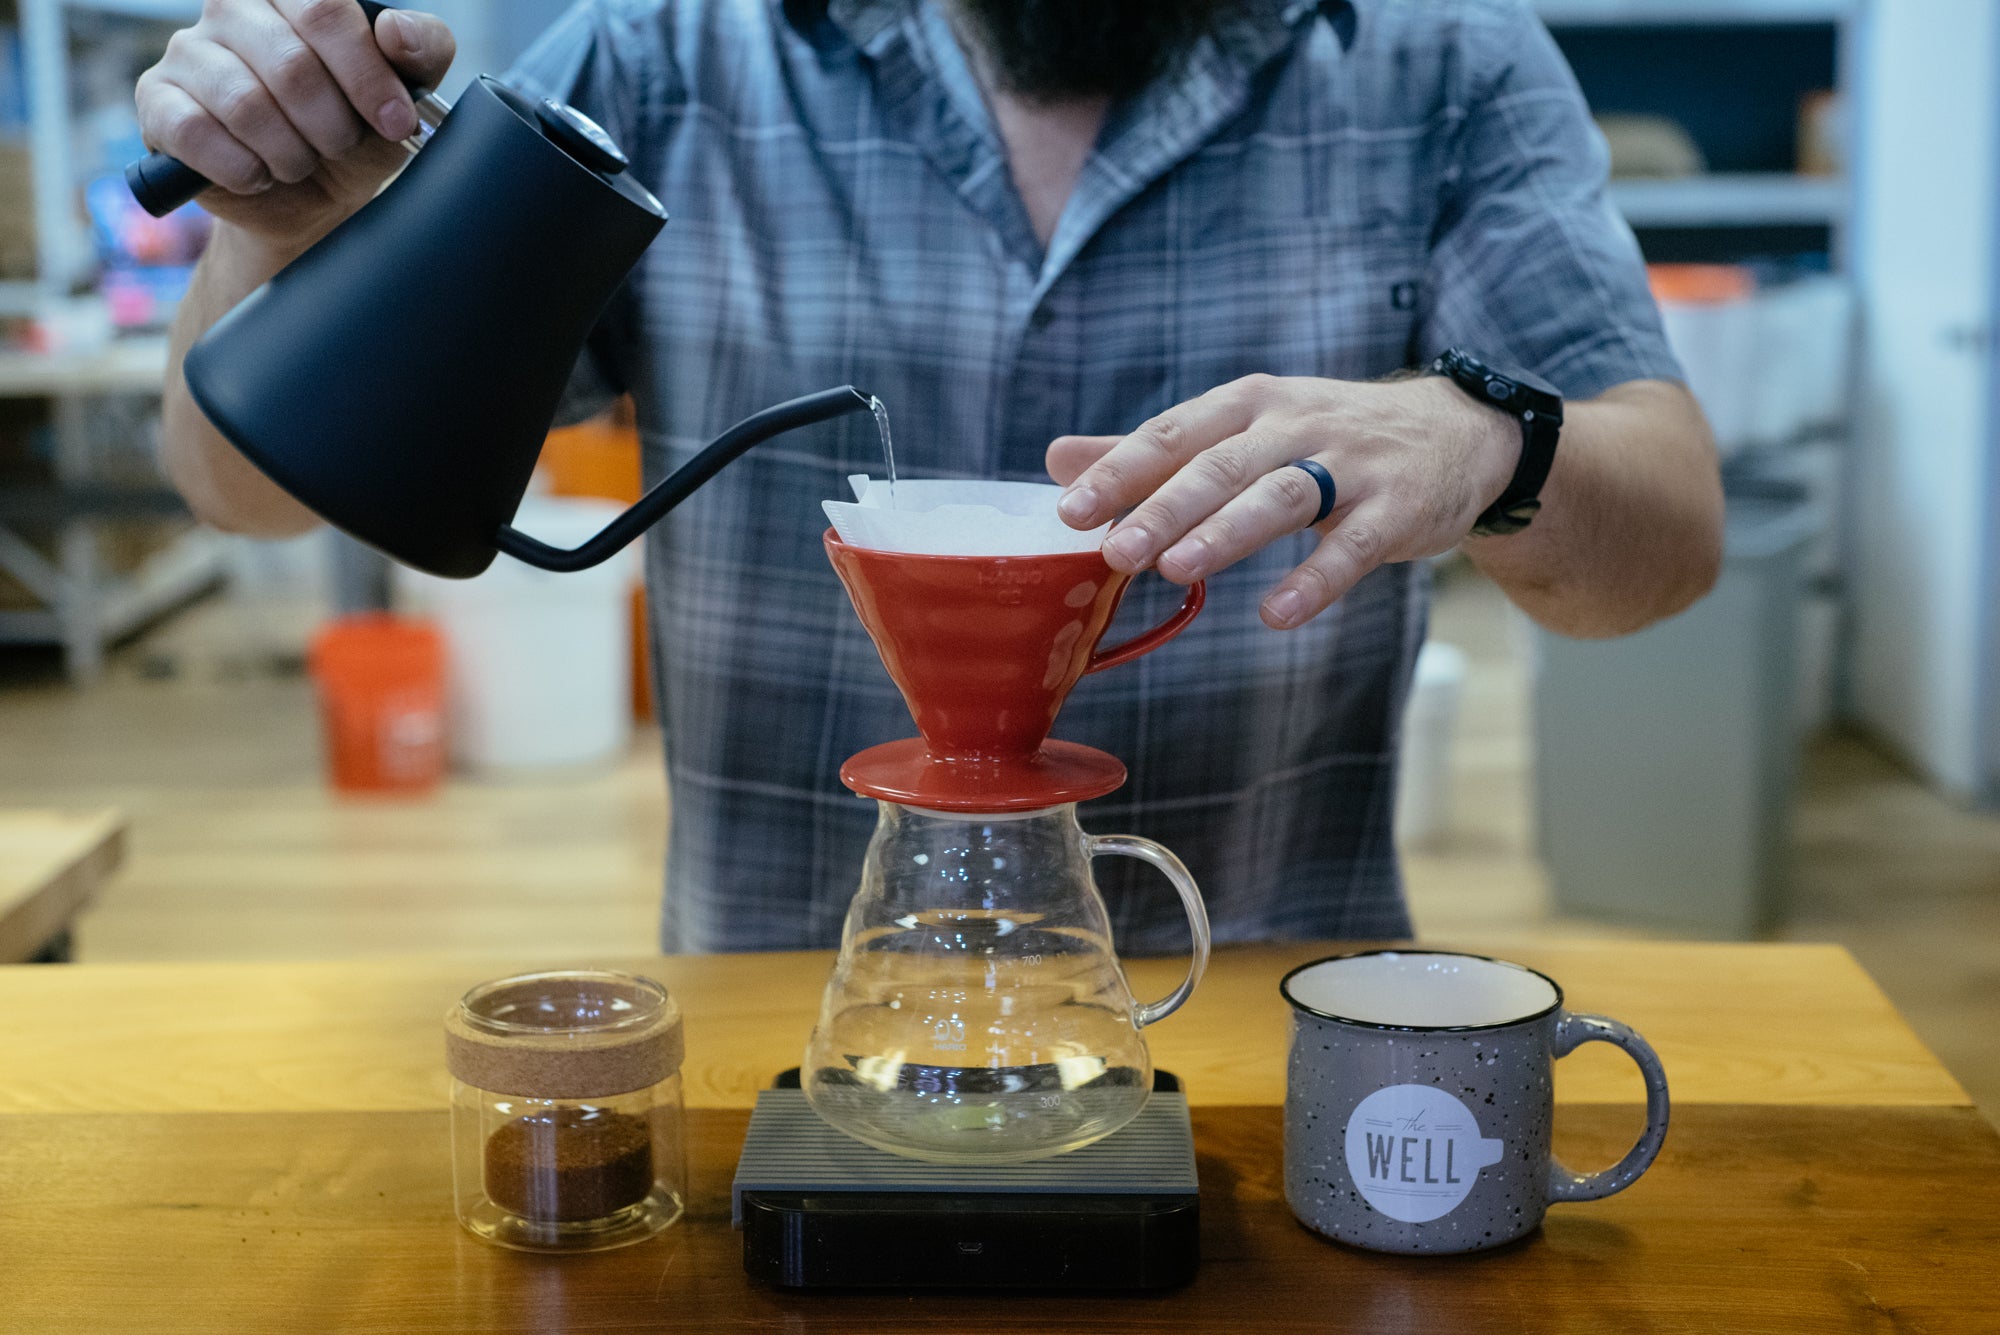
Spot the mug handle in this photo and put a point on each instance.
(1147, 641)
(1132, 846)
(1572, 1032)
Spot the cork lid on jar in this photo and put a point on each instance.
(567, 1034)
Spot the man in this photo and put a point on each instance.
(1032, 226)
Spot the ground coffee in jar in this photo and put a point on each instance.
(566, 1110)
(565, 1164)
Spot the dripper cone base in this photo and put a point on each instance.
(907, 772)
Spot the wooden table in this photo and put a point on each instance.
(51, 864)
(263, 1148)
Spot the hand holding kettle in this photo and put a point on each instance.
(293, 393)
(295, 109)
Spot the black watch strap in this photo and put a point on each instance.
(1540, 413)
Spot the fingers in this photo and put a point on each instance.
(1357, 543)
(1197, 493)
(177, 124)
(337, 31)
(1069, 455)
(298, 81)
(1282, 501)
(1208, 483)
(420, 46)
(230, 92)
(1140, 463)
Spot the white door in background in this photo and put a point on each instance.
(1927, 139)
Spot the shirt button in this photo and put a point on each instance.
(1042, 318)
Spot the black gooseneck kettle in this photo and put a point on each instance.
(399, 377)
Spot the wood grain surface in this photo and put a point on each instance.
(1756, 1218)
(1794, 1024)
(51, 864)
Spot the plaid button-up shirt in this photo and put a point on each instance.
(1330, 190)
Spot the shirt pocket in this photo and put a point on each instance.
(1309, 297)
(1303, 255)
(1378, 182)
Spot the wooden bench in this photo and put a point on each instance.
(51, 864)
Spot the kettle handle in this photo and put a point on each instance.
(653, 506)
(162, 183)
(1132, 846)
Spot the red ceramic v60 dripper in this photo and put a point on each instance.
(985, 649)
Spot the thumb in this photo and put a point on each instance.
(1070, 455)
(420, 46)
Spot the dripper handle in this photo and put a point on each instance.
(1132, 846)
(1147, 641)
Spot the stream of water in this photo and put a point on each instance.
(881, 411)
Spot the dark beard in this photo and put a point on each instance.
(1045, 50)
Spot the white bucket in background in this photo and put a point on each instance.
(540, 663)
(1806, 331)
(1719, 348)
(1423, 786)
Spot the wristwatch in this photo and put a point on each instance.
(1540, 413)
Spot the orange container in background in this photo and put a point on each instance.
(1713, 320)
(381, 696)
(1701, 284)
(600, 459)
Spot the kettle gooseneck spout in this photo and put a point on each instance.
(651, 507)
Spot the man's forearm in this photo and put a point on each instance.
(1630, 529)
(220, 485)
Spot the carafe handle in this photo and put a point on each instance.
(1132, 846)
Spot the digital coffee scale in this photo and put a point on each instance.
(820, 1210)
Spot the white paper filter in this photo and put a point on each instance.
(950, 518)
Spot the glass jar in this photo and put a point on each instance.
(567, 1129)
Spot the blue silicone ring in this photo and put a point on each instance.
(1317, 472)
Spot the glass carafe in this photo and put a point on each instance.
(977, 1012)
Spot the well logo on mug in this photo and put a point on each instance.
(1414, 1151)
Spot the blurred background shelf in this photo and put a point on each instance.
(19, 298)
(93, 544)
(1691, 12)
(1733, 199)
(59, 543)
(85, 609)
(124, 366)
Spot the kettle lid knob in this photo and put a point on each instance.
(581, 137)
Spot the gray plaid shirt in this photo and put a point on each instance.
(1331, 190)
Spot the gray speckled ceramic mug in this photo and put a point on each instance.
(1419, 1097)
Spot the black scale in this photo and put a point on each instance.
(820, 1210)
